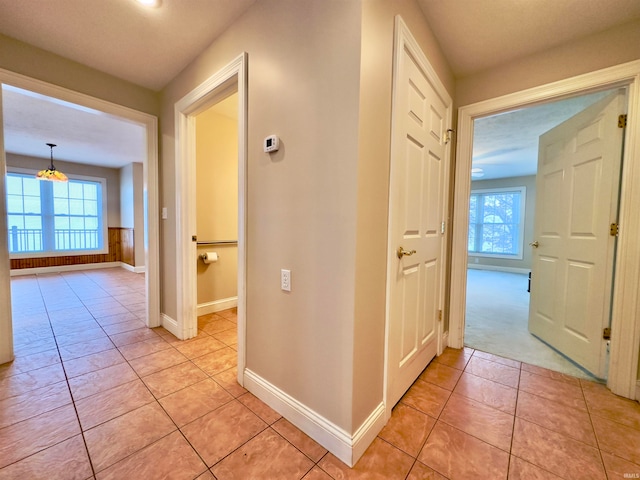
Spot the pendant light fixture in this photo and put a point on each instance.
(51, 173)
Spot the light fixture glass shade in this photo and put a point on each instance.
(51, 174)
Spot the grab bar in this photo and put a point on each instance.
(218, 242)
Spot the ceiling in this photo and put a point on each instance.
(150, 46)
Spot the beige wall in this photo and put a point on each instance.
(530, 201)
(132, 207)
(605, 49)
(304, 60)
(110, 174)
(33, 62)
(217, 203)
(318, 206)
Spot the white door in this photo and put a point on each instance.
(572, 263)
(417, 201)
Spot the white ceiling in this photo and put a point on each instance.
(146, 46)
(150, 46)
(82, 135)
(506, 145)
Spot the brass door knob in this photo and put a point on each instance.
(401, 252)
(534, 244)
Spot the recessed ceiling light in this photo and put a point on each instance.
(150, 3)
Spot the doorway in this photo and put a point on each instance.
(217, 206)
(502, 213)
(231, 80)
(625, 325)
(148, 191)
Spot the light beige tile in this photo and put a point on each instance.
(116, 439)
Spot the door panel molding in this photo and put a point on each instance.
(625, 336)
(413, 332)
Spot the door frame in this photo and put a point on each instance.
(150, 173)
(199, 99)
(405, 40)
(625, 322)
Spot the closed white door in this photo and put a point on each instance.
(573, 251)
(417, 200)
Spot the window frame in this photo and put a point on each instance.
(523, 203)
(104, 222)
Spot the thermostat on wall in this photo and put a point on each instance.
(271, 143)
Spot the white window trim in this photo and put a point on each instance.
(71, 253)
(523, 203)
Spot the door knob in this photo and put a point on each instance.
(401, 252)
(534, 244)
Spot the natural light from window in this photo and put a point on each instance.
(496, 222)
(55, 218)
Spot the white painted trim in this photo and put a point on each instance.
(6, 321)
(498, 268)
(625, 336)
(404, 39)
(150, 173)
(169, 324)
(207, 93)
(217, 305)
(348, 448)
(133, 269)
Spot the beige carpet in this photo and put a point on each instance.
(497, 314)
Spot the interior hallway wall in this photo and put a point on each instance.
(217, 204)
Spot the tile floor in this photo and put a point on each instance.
(94, 394)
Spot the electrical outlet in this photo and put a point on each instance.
(285, 280)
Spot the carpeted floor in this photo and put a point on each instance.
(496, 321)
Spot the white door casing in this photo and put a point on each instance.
(231, 78)
(417, 205)
(6, 324)
(577, 199)
(625, 320)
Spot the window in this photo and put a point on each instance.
(496, 222)
(53, 218)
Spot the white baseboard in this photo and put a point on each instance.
(348, 448)
(133, 269)
(169, 324)
(63, 268)
(496, 268)
(217, 305)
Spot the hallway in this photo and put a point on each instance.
(95, 394)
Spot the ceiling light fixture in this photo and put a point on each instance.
(150, 3)
(51, 173)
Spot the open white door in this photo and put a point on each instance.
(573, 251)
(419, 166)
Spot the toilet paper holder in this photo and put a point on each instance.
(209, 257)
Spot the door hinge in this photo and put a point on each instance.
(443, 227)
(439, 314)
(614, 229)
(622, 121)
(606, 333)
